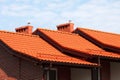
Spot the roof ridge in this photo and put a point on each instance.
(17, 33)
(100, 31)
(62, 32)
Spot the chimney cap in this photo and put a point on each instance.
(28, 23)
(70, 21)
(68, 27)
(60, 25)
(25, 29)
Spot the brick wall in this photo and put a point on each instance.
(14, 68)
(30, 71)
(8, 65)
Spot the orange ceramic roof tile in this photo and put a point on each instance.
(75, 42)
(104, 54)
(103, 37)
(36, 47)
(70, 40)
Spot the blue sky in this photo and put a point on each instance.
(94, 14)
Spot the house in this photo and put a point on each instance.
(109, 42)
(62, 54)
(29, 57)
(103, 57)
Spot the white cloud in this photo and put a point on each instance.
(18, 10)
(2, 0)
(97, 14)
(22, 0)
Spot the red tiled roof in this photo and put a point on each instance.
(103, 37)
(75, 42)
(104, 54)
(36, 47)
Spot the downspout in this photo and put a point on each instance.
(99, 68)
(19, 68)
(96, 70)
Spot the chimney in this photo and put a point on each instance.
(68, 27)
(25, 29)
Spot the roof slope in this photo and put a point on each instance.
(36, 47)
(75, 42)
(106, 38)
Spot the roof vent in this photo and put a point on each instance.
(68, 27)
(25, 29)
